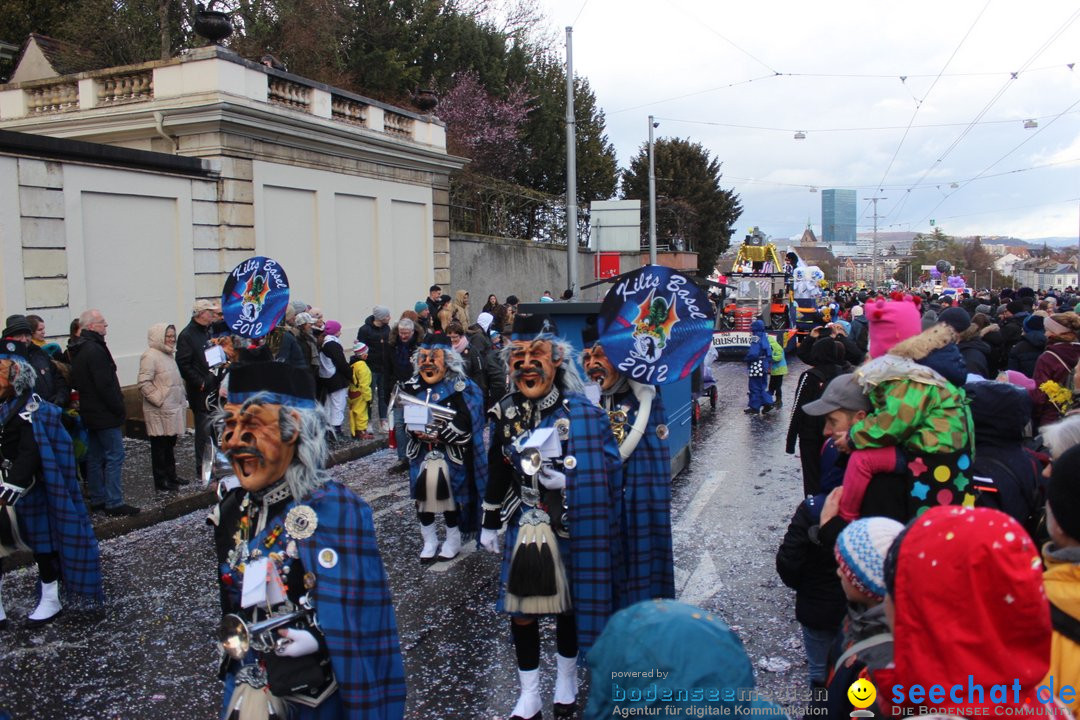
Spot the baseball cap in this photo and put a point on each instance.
(842, 393)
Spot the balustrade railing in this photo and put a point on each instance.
(117, 89)
(286, 92)
(57, 98)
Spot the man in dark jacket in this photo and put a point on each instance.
(49, 383)
(201, 384)
(807, 432)
(1026, 351)
(434, 303)
(101, 405)
(375, 333)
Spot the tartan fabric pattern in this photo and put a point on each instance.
(468, 483)
(926, 419)
(647, 570)
(354, 606)
(593, 489)
(61, 508)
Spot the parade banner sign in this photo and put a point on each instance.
(656, 325)
(255, 297)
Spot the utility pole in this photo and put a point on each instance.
(652, 195)
(571, 169)
(873, 252)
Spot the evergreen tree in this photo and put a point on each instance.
(692, 210)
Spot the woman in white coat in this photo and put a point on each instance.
(164, 403)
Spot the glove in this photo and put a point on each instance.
(552, 479)
(297, 643)
(489, 540)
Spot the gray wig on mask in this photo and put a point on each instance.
(307, 471)
(22, 377)
(568, 376)
(455, 364)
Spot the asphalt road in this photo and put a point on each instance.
(150, 653)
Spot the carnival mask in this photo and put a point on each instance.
(432, 364)
(533, 366)
(599, 368)
(252, 441)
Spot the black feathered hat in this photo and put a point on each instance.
(283, 384)
(533, 327)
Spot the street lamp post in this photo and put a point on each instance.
(652, 195)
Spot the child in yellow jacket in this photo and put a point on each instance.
(359, 392)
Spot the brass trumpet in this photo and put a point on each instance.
(438, 416)
(236, 637)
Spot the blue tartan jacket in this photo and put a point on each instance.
(469, 483)
(647, 570)
(68, 521)
(354, 606)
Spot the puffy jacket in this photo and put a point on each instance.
(164, 404)
(334, 365)
(976, 354)
(93, 373)
(1062, 582)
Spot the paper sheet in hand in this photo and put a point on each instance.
(254, 590)
(215, 356)
(416, 417)
(546, 441)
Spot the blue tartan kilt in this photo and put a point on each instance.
(510, 539)
(32, 512)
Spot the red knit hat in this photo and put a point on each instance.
(891, 322)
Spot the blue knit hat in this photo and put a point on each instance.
(860, 553)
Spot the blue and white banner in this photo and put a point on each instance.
(656, 325)
(255, 297)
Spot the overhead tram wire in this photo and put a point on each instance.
(579, 13)
(845, 129)
(1042, 48)
(726, 39)
(919, 104)
(692, 94)
(991, 165)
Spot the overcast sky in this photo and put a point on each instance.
(704, 67)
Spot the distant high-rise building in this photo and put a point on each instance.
(838, 216)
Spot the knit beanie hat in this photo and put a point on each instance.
(359, 347)
(1034, 323)
(860, 552)
(856, 311)
(1016, 307)
(420, 307)
(983, 308)
(381, 312)
(1063, 492)
(890, 322)
(333, 327)
(956, 318)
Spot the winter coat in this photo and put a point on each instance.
(810, 570)
(779, 360)
(1062, 582)
(359, 394)
(999, 354)
(861, 624)
(459, 310)
(376, 338)
(940, 637)
(286, 348)
(199, 382)
(914, 405)
(164, 403)
(399, 366)
(335, 372)
(1025, 353)
(853, 354)
(494, 384)
(806, 428)
(1000, 412)
(860, 332)
(49, 382)
(976, 354)
(93, 374)
(1056, 363)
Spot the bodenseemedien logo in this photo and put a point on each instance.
(861, 695)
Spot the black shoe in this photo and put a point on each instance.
(565, 710)
(538, 716)
(166, 487)
(122, 510)
(97, 507)
(179, 481)
(3, 625)
(401, 467)
(750, 411)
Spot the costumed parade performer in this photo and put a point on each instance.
(639, 424)
(309, 628)
(41, 504)
(554, 483)
(447, 458)
(758, 366)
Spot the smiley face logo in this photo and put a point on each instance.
(862, 693)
